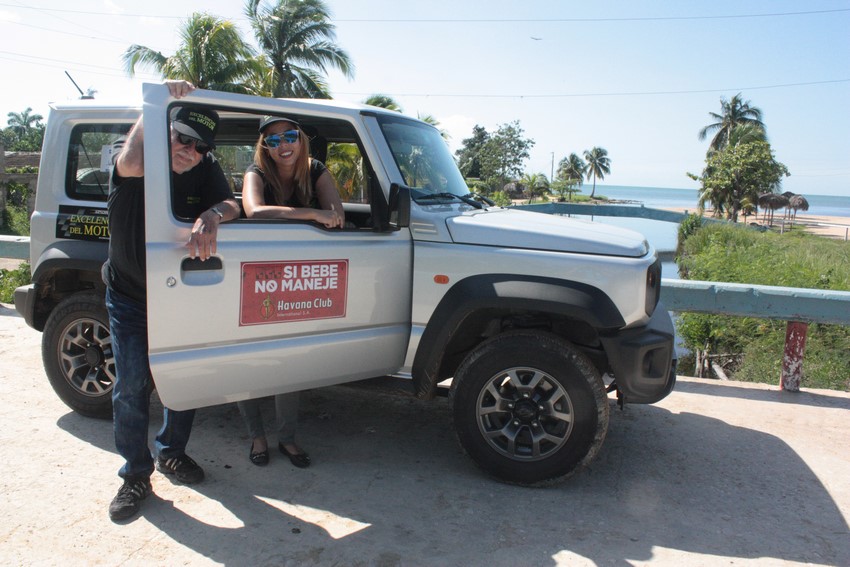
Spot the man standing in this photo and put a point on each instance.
(201, 192)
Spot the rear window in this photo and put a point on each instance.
(89, 160)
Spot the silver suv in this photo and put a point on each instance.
(529, 320)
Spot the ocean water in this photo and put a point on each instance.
(661, 197)
(662, 235)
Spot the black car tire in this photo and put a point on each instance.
(529, 408)
(76, 347)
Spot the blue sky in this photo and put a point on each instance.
(637, 78)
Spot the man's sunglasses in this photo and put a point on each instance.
(200, 147)
(289, 137)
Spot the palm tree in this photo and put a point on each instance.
(718, 199)
(536, 183)
(734, 112)
(22, 122)
(430, 119)
(721, 198)
(296, 39)
(346, 165)
(383, 101)
(212, 55)
(598, 165)
(745, 134)
(571, 170)
(571, 173)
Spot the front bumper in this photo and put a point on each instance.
(25, 297)
(643, 360)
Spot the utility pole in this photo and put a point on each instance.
(552, 170)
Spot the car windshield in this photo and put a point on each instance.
(424, 160)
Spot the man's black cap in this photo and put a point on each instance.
(198, 122)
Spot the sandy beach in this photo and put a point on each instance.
(831, 227)
(827, 226)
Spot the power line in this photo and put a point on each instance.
(60, 18)
(124, 42)
(589, 20)
(599, 94)
(58, 62)
(478, 20)
(61, 64)
(48, 60)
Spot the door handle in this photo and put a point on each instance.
(196, 265)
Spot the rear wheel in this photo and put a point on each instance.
(76, 348)
(529, 407)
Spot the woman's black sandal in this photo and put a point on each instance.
(300, 460)
(260, 459)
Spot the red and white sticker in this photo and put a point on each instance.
(279, 292)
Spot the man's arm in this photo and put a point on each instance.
(131, 160)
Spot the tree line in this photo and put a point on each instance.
(741, 172)
(492, 163)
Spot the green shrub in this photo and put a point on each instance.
(17, 194)
(10, 279)
(753, 348)
(23, 169)
(688, 227)
(16, 221)
(501, 198)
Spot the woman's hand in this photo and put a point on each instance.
(330, 219)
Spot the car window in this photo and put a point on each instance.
(234, 159)
(334, 142)
(89, 159)
(423, 157)
(346, 164)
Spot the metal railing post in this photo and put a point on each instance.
(792, 359)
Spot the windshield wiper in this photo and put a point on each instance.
(482, 198)
(465, 198)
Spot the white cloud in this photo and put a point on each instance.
(9, 17)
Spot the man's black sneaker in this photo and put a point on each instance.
(182, 467)
(129, 499)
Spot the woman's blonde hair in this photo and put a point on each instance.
(303, 183)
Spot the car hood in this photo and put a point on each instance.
(523, 229)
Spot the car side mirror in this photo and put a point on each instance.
(399, 206)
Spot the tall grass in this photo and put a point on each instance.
(750, 348)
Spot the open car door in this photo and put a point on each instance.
(283, 305)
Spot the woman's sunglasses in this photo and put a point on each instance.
(200, 146)
(289, 137)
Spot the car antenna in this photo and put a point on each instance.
(82, 94)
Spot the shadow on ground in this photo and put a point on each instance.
(390, 485)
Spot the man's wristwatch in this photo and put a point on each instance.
(218, 212)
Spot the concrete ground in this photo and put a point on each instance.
(716, 474)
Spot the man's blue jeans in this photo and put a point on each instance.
(131, 392)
